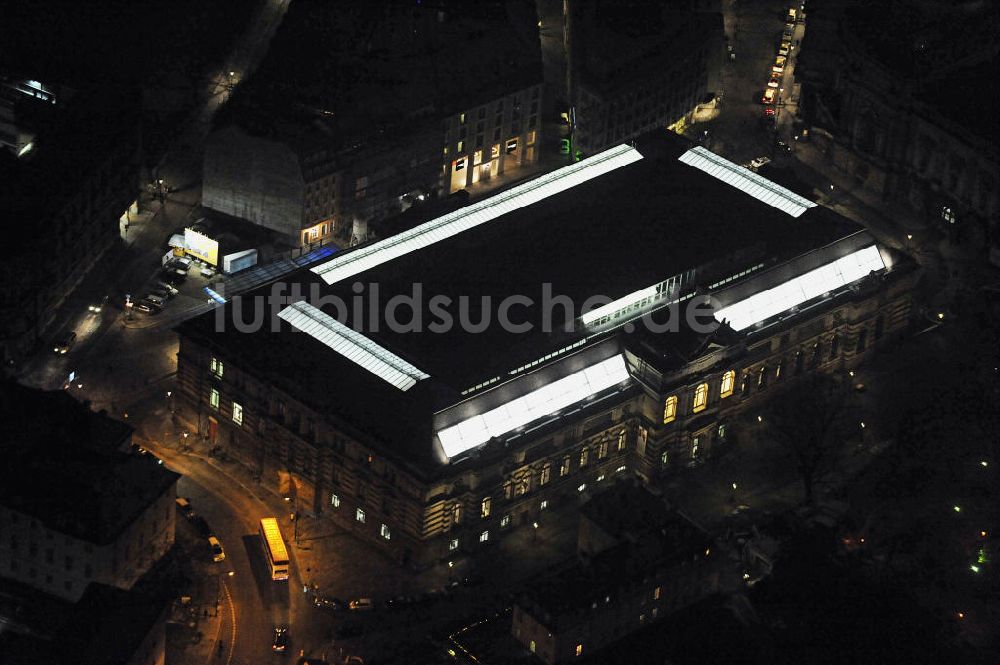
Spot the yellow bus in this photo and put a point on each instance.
(274, 548)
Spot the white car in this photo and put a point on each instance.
(218, 554)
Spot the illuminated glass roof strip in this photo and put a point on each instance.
(747, 181)
(622, 303)
(537, 404)
(803, 288)
(481, 212)
(352, 345)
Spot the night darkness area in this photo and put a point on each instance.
(500, 332)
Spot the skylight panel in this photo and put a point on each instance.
(352, 263)
(537, 404)
(747, 181)
(352, 345)
(803, 288)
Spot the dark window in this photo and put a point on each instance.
(834, 346)
(799, 360)
(862, 340)
(879, 327)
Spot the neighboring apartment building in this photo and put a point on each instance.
(881, 98)
(310, 157)
(639, 66)
(441, 441)
(63, 193)
(637, 562)
(75, 507)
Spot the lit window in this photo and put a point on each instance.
(505, 521)
(359, 515)
(446, 150)
(237, 413)
(579, 649)
(461, 146)
(600, 477)
(484, 508)
(581, 487)
(621, 440)
(217, 367)
(508, 489)
(456, 513)
(335, 501)
(620, 469)
(544, 504)
(728, 382)
(700, 398)
(453, 545)
(531, 647)
(495, 151)
(531, 137)
(694, 448)
(477, 158)
(722, 431)
(214, 399)
(564, 467)
(546, 472)
(384, 532)
(670, 409)
(511, 145)
(656, 593)
(664, 458)
(461, 118)
(484, 536)
(602, 450)
(583, 457)
(948, 215)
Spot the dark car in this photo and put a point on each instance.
(148, 307)
(280, 642)
(201, 526)
(63, 346)
(173, 277)
(329, 603)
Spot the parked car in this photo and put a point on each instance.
(770, 95)
(173, 276)
(280, 642)
(181, 262)
(155, 299)
(362, 604)
(63, 346)
(207, 271)
(148, 307)
(184, 505)
(329, 603)
(167, 287)
(218, 554)
(769, 112)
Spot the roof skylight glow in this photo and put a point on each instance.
(798, 290)
(352, 345)
(481, 212)
(622, 303)
(518, 412)
(747, 181)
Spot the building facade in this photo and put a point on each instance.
(882, 118)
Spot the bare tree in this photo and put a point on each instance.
(811, 421)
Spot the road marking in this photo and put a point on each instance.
(232, 621)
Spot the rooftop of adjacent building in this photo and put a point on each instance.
(105, 627)
(73, 138)
(948, 51)
(67, 466)
(651, 537)
(627, 41)
(375, 68)
(631, 228)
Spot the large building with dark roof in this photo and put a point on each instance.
(76, 505)
(431, 438)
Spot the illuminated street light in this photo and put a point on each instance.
(984, 464)
(974, 568)
(957, 509)
(940, 316)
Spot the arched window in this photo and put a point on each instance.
(948, 215)
(700, 398)
(670, 409)
(728, 380)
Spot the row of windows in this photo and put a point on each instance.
(726, 385)
(361, 516)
